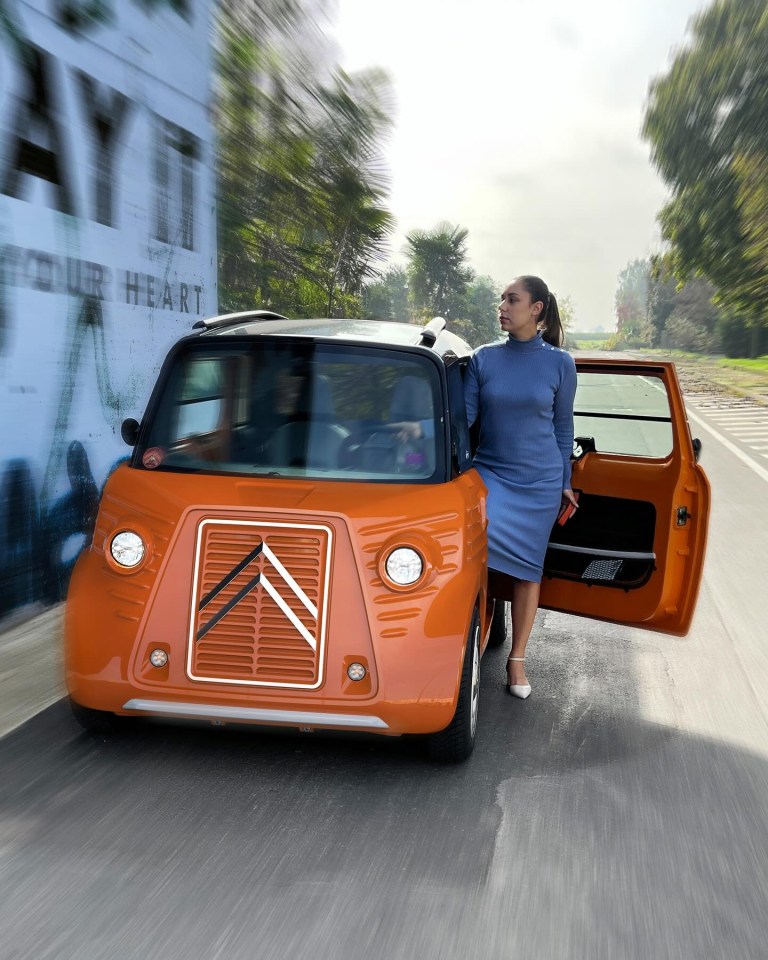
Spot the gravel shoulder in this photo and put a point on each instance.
(704, 375)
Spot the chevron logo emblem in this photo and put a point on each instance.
(276, 590)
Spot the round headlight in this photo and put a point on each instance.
(127, 548)
(404, 566)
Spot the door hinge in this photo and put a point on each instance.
(682, 516)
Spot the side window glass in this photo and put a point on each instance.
(460, 449)
(201, 397)
(622, 413)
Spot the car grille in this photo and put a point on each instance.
(258, 607)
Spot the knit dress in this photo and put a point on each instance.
(522, 391)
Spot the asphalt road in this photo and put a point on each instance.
(620, 812)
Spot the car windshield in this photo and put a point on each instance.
(297, 409)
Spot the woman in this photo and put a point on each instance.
(521, 390)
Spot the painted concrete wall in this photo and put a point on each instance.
(107, 252)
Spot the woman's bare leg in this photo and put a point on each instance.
(525, 603)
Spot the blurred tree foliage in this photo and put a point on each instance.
(438, 281)
(301, 190)
(567, 311)
(387, 297)
(707, 123)
(475, 314)
(654, 309)
(632, 299)
(438, 270)
(470, 314)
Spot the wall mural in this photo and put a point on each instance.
(107, 253)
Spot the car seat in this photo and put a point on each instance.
(311, 439)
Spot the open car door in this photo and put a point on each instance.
(633, 551)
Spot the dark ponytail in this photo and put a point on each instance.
(549, 319)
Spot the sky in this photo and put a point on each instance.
(520, 120)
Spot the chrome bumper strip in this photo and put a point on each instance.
(293, 718)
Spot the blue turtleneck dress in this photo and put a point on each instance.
(522, 391)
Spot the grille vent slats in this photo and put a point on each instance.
(255, 641)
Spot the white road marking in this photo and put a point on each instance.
(737, 451)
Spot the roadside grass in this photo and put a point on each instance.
(758, 364)
(670, 354)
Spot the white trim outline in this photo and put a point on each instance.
(316, 643)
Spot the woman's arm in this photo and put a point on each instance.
(563, 415)
(472, 389)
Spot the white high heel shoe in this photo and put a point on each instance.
(520, 690)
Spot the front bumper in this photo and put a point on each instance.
(284, 718)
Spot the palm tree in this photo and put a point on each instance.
(437, 266)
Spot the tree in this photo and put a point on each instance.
(662, 293)
(474, 314)
(387, 297)
(302, 219)
(632, 298)
(670, 301)
(350, 224)
(437, 267)
(567, 311)
(705, 121)
(263, 163)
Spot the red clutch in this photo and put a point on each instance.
(567, 510)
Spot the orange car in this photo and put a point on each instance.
(299, 536)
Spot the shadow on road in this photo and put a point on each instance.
(576, 826)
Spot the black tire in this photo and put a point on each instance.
(457, 741)
(94, 721)
(498, 633)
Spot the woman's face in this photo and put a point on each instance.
(518, 316)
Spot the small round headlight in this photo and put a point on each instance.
(127, 548)
(404, 566)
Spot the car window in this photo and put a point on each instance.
(623, 413)
(299, 409)
(201, 398)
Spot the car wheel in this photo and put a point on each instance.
(498, 633)
(455, 743)
(94, 721)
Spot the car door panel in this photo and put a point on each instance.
(634, 550)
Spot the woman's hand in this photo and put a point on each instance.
(569, 497)
(407, 430)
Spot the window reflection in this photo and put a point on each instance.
(314, 411)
